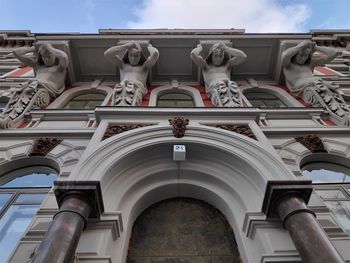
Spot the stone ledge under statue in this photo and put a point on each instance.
(298, 64)
(50, 67)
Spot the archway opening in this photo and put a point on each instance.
(182, 230)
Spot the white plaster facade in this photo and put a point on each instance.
(135, 168)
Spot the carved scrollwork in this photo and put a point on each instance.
(237, 128)
(179, 126)
(312, 142)
(327, 95)
(117, 129)
(43, 146)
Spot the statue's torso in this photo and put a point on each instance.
(213, 74)
(138, 73)
(298, 76)
(51, 77)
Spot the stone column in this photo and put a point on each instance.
(287, 200)
(77, 201)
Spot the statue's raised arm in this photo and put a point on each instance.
(326, 55)
(133, 66)
(153, 56)
(216, 69)
(50, 67)
(197, 57)
(298, 65)
(23, 55)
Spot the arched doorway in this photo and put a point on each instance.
(182, 230)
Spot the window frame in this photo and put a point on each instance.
(162, 90)
(69, 94)
(278, 92)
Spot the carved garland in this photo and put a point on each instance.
(240, 128)
(117, 129)
(312, 142)
(43, 146)
(179, 126)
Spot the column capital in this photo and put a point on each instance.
(88, 190)
(277, 190)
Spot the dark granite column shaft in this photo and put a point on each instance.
(309, 238)
(61, 240)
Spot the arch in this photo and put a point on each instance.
(221, 168)
(193, 92)
(279, 93)
(198, 232)
(68, 95)
(24, 184)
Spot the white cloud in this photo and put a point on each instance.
(89, 6)
(256, 16)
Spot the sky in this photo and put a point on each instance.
(255, 16)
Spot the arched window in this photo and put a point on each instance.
(85, 101)
(262, 99)
(326, 172)
(330, 168)
(21, 194)
(175, 99)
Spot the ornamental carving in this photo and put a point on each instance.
(179, 126)
(50, 66)
(117, 129)
(312, 142)
(134, 66)
(216, 67)
(298, 66)
(43, 146)
(241, 129)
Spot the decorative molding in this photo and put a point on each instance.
(179, 126)
(328, 95)
(90, 190)
(241, 129)
(312, 142)
(277, 190)
(43, 146)
(117, 129)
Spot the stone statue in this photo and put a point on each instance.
(50, 67)
(298, 64)
(216, 68)
(134, 68)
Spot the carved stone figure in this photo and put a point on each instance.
(216, 68)
(298, 64)
(50, 66)
(134, 68)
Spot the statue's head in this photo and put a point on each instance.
(46, 55)
(216, 56)
(304, 56)
(134, 56)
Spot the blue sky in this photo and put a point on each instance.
(87, 16)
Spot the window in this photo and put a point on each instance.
(262, 99)
(326, 172)
(21, 194)
(85, 101)
(337, 200)
(175, 99)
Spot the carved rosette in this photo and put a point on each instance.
(117, 129)
(128, 93)
(225, 94)
(312, 142)
(43, 146)
(240, 128)
(28, 97)
(179, 126)
(327, 95)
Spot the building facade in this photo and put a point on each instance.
(153, 151)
